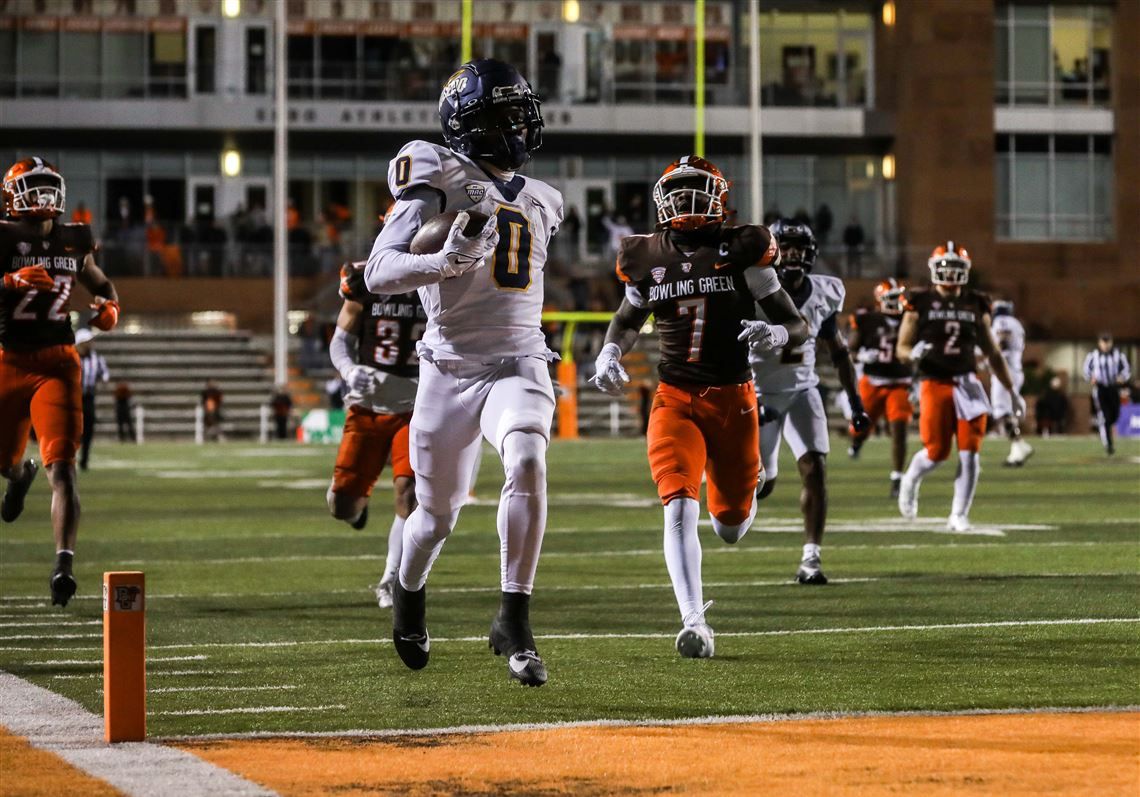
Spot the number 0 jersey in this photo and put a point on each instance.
(35, 319)
(490, 312)
(880, 332)
(818, 301)
(953, 327)
(698, 299)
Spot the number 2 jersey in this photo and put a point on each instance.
(389, 328)
(819, 300)
(494, 311)
(35, 319)
(879, 332)
(953, 326)
(698, 299)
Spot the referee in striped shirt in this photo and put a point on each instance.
(1106, 370)
(94, 372)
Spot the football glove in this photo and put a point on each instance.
(1019, 406)
(867, 356)
(106, 314)
(362, 379)
(920, 350)
(610, 377)
(860, 420)
(462, 254)
(29, 278)
(763, 337)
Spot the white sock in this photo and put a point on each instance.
(683, 554)
(732, 533)
(920, 465)
(395, 545)
(966, 481)
(424, 536)
(810, 550)
(896, 474)
(522, 510)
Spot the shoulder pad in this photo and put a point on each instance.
(750, 245)
(913, 300)
(80, 235)
(985, 302)
(831, 290)
(418, 163)
(550, 199)
(352, 287)
(633, 262)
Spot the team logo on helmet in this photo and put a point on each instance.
(475, 192)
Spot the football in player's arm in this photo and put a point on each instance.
(373, 349)
(701, 280)
(483, 357)
(939, 331)
(40, 380)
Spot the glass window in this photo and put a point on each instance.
(80, 69)
(256, 61)
(818, 58)
(1055, 54)
(124, 64)
(166, 70)
(7, 62)
(39, 63)
(205, 60)
(302, 66)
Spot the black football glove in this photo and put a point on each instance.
(860, 420)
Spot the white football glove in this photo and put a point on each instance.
(462, 254)
(867, 356)
(763, 337)
(362, 379)
(1019, 406)
(920, 350)
(610, 378)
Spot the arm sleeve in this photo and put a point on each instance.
(635, 297)
(762, 282)
(391, 268)
(1125, 368)
(1088, 366)
(341, 349)
(829, 328)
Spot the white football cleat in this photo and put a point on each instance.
(1019, 451)
(958, 523)
(696, 639)
(908, 497)
(384, 591)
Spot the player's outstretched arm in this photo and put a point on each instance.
(106, 305)
(609, 376)
(841, 358)
(343, 347)
(781, 312)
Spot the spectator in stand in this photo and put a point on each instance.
(1052, 410)
(123, 420)
(853, 239)
(618, 228)
(212, 411)
(292, 216)
(81, 214)
(94, 371)
(282, 411)
(824, 221)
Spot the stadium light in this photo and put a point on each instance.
(888, 167)
(231, 163)
(889, 13)
(231, 8)
(570, 11)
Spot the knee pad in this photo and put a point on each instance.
(524, 463)
(433, 529)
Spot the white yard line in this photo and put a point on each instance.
(732, 719)
(51, 623)
(210, 712)
(99, 661)
(61, 726)
(149, 674)
(165, 689)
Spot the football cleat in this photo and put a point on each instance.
(1019, 452)
(516, 641)
(409, 631)
(362, 520)
(958, 523)
(384, 591)
(695, 641)
(17, 491)
(896, 486)
(908, 497)
(811, 572)
(62, 587)
(853, 452)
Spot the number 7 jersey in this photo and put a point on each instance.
(495, 311)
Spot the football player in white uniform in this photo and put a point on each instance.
(1010, 336)
(787, 384)
(483, 356)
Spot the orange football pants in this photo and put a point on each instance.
(938, 421)
(40, 388)
(696, 430)
(892, 401)
(369, 438)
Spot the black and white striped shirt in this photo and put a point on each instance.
(1107, 367)
(94, 371)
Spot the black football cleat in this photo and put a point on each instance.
(361, 521)
(896, 485)
(511, 636)
(17, 491)
(409, 631)
(810, 572)
(62, 587)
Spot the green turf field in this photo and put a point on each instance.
(261, 617)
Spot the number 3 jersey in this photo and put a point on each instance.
(494, 311)
(35, 319)
(698, 299)
(819, 300)
(953, 327)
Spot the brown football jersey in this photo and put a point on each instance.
(953, 327)
(698, 299)
(34, 319)
(880, 332)
(391, 325)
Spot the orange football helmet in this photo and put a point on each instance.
(691, 194)
(889, 296)
(33, 189)
(949, 264)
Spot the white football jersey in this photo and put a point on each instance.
(794, 369)
(1010, 336)
(495, 311)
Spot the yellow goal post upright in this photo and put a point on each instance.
(567, 368)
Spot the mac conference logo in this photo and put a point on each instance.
(475, 192)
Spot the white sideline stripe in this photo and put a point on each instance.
(209, 712)
(149, 674)
(717, 719)
(164, 689)
(51, 636)
(99, 661)
(61, 726)
(51, 623)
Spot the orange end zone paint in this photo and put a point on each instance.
(1015, 754)
(28, 772)
(124, 657)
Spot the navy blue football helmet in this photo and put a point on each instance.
(488, 111)
(798, 249)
